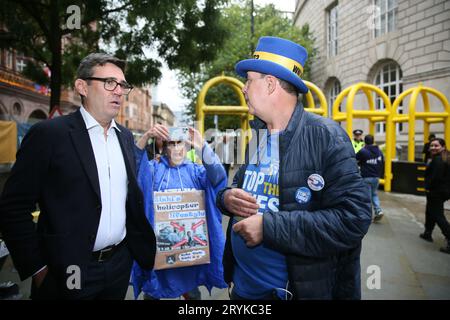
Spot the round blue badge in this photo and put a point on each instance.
(303, 195)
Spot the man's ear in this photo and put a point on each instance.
(271, 84)
(81, 87)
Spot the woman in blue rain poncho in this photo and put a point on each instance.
(174, 172)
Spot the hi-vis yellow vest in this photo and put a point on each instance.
(191, 155)
(357, 145)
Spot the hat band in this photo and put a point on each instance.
(288, 63)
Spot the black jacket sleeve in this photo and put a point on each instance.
(19, 198)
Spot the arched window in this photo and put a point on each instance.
(389, 79)
(3, 115)
(333, 90)
(36, 116)
(17, 109)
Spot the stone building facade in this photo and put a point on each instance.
(393, 44)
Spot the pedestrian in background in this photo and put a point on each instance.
(426, 148)
(371, 161)
(437, 186)
(357, 141)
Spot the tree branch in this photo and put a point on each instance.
(34, 13)
(39, 57)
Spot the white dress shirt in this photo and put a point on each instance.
(113, 179)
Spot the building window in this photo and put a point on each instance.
(36, 116)
(9, 59)
(332, 31)
(20, 63)
(17, 109)
(333, 92)
(385, 16)
(389, 79)
(3, 115)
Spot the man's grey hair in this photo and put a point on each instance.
(86, 67)
(288, 87)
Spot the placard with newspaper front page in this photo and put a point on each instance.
(181, 229)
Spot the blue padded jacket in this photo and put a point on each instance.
(321, 238)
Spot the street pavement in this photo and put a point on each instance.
(406, 266)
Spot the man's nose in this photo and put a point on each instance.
(118, 90)
(244, 88)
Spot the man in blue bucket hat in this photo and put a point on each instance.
(298, 207)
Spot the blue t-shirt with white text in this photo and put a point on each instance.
(259, 270)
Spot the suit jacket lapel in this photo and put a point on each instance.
(83, 146)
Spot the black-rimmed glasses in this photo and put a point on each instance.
(111, 84)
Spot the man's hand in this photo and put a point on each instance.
(251, 229)
(240, 203)
(39, 277)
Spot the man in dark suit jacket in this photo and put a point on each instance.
(80, 170)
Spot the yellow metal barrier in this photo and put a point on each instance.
(428, 116)
(311, 105)
(388, 115)
(372, 115)
(202, 109)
